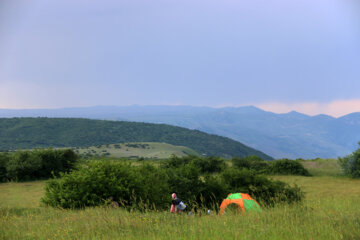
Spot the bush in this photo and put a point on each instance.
(283, 166)
(23, 165)
(198, 190)
(288, 167)
(4, 158)
(56, 161)
(210, 164)
(351, 164)
(94, 184)
(91, 185)
(154, 186)
(252, 162)
(143, 186)
(185, 181)
(175, 161)
(265, 191)
(36, 164)
(213, 192)
(206, 165)
(146, 186)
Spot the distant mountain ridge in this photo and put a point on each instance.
(25, 133)
(292, 135)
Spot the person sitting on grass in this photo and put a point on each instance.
(176, 204)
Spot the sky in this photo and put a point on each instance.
(279, 55)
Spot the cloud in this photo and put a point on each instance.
(334, 108)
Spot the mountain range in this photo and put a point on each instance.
(289, 135)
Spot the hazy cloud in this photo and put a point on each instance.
(335, 108)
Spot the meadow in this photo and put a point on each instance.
(147, 150)
(330, 211)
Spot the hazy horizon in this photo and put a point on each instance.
(282, 109)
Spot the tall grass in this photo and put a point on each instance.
(320, 221)
(322, 167)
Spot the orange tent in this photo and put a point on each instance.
(242, 201)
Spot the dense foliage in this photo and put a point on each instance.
(351, 164)
(282, 166)
(205, 164)
(35, 164)
(288, 167)
(266, 191)
(4, 158)
(25, 133)
(252, 162)
(143, 185)
(98, 182)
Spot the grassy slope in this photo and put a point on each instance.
(144, 149)
(330, 211)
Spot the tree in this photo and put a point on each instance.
(351, 164)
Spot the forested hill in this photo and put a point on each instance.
(24, 133)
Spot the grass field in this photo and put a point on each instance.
(331, 210)
(323, 167)
(151, 150)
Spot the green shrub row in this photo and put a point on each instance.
(35, 164)
(282, 166)
(146, 186)
(97, 182)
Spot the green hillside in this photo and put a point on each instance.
(25, 133)
(136, 150)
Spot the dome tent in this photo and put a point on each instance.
(242, 201)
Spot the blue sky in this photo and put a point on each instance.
(280, 55)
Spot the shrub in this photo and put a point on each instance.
(252, 162)
(23, 165)
(154, 186)
(146, 186)
(4, 158)
(198, 190)
(283, 166)
(37, 164)
(55, 161)
(95, 183)
(351, 164)
(210, 164)
(185, 181)
(213, 191)
(91, 185)
(266, 191)
(175, 161)
(206, 165)
(288, 167)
